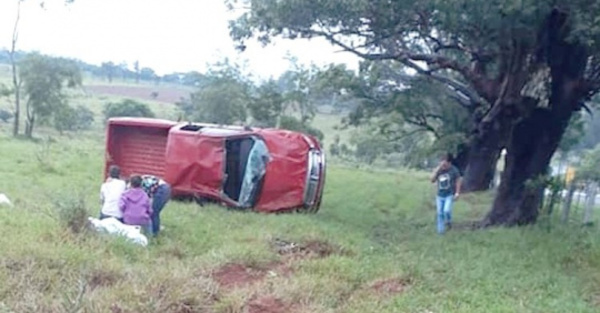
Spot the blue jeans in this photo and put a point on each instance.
(160, 198)
(444, 212)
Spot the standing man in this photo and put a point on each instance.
(448, 180)
(159, 192)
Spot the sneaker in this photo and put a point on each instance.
(449, 226)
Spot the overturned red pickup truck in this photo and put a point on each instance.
(268, 170)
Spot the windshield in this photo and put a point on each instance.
(246, 164)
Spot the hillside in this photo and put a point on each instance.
(371, 248)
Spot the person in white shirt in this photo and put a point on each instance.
(110, 194)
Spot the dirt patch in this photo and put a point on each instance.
(102, 278)
(390, 286)
(267, 304)
(311, 248)
(236, 275)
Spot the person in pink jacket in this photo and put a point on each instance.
(135, 206)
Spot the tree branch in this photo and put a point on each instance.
(421, 122)
(440, 62)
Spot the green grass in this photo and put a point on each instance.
(382, 221)
(379, 225)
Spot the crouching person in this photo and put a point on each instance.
(160, 193)
(135, 206)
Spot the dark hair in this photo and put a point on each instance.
(114, 171)
(135, 181)
(447, 157)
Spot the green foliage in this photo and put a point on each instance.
(5, 115)
(127, 108)
(574, 134)
(414, 116)
(589, 168)
(369, 146)
(44, 79)
(5, 91)
(72, 213)
(266, 105)
(221, 99)
(73, 119)
(292, 123)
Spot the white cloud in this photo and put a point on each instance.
(166, 35)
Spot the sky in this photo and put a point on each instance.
(165, 35)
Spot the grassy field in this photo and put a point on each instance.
(371, 248)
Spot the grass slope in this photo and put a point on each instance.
(373, 250)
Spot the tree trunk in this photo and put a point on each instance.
(590, 202)
(535, 138)
(29, 127)
(13, 62)
(30, 122)
(17, 92)
(531, 147)
(461, 158)
(481, 166)
(484, 152)
(566, 210)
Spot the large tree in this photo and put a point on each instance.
(525, 66)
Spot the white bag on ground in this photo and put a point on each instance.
(113, 226)
(4, 199)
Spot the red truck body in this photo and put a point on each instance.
(270, 170)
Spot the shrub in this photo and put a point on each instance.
(73, 214)
(292, 123)
(5, 115)
(127, 108)
(71, 119)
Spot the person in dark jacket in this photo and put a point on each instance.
(159, 192)
(135, 206)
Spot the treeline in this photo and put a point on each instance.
(111, 71)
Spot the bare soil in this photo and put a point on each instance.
(390, 286)
(267, 304)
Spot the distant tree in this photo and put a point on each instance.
(222, 99)
(124, 72)
(136, 67)
(266, 105)
(147, 74)
(109, 69)
(193, 78)
(127, 108)
(297, 87)
(12, 53)
(44, 79)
